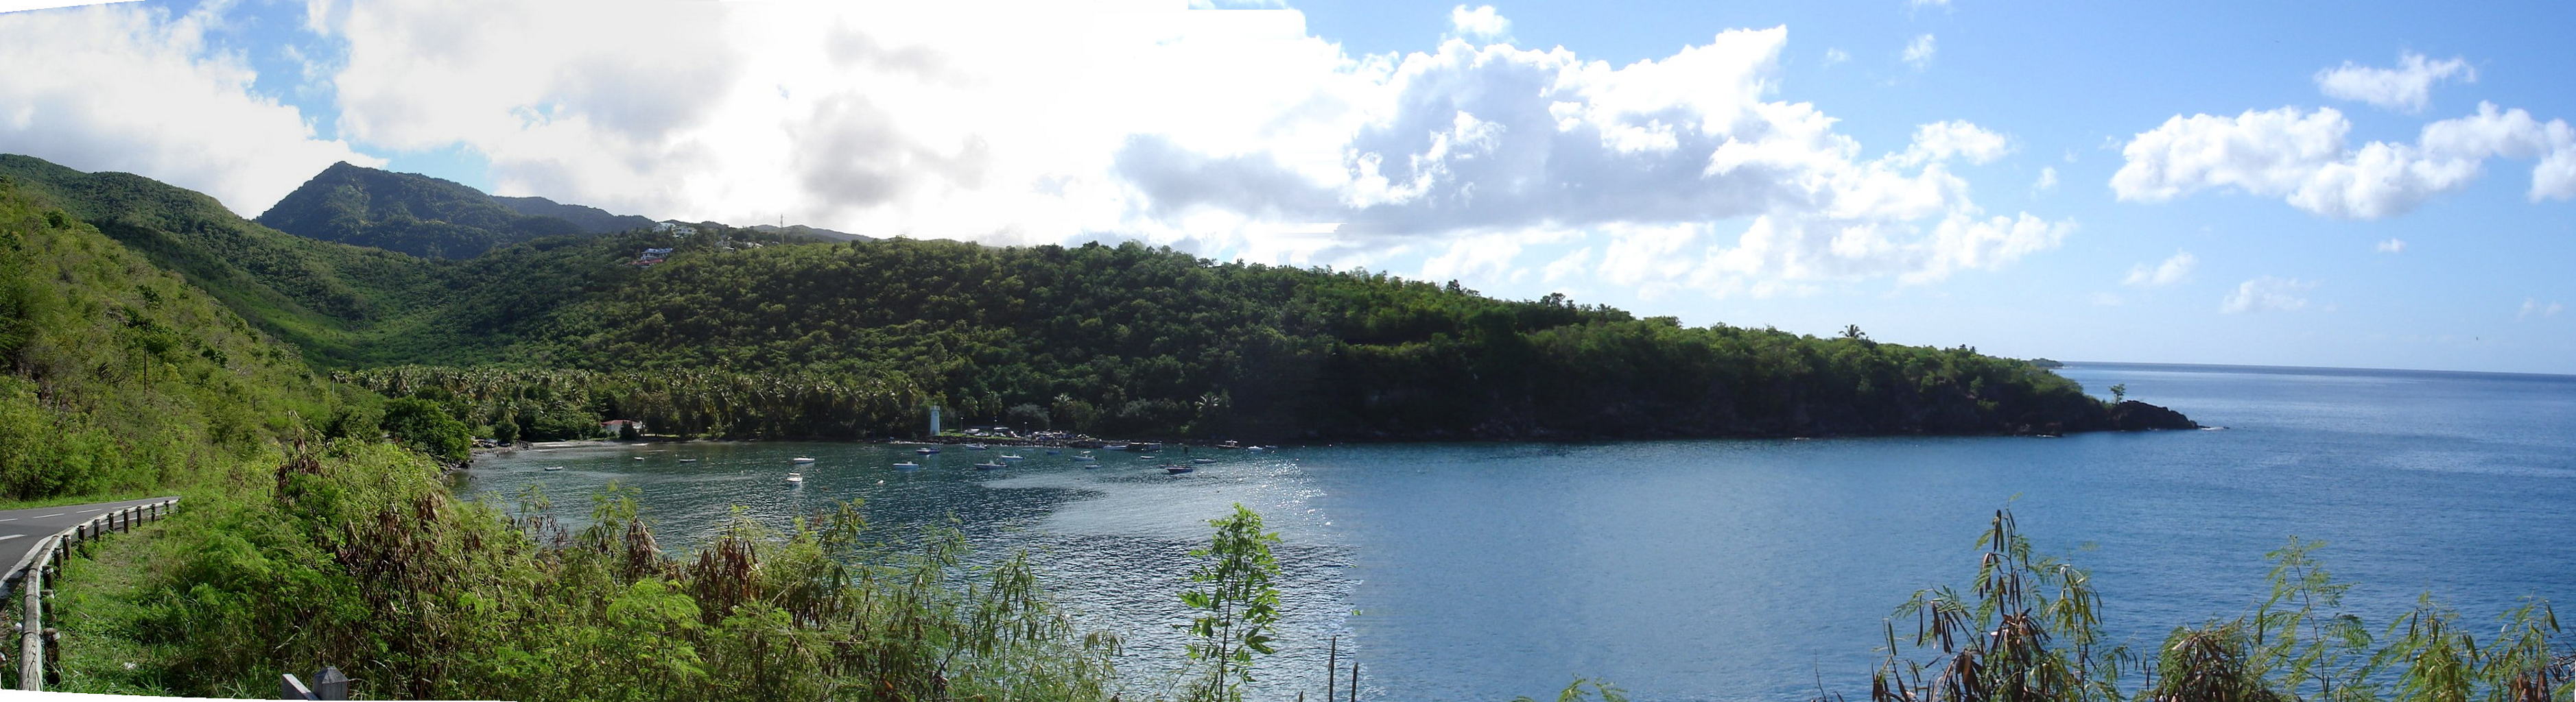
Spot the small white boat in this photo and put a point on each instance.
(554, 467)
(976, 447)
(988, 465)
(1149, 447)
(1146, 457)
(925, 450)
(798, 478)
(1176, 469)
(1114, 447)
(688, 460)
(1202, 461)
(1258, 448)
(1086, 457)
(800, 459)
(1009, 457)
(639, 458)
(906, 465)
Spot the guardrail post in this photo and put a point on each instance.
(31, 632)
(330, 684)
(327, 685)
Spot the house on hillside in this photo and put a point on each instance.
(619, 427)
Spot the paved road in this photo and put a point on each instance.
(21, 529)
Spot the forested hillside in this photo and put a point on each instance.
(404, 212)
(725, 336)
(590, 219)
(305, 535)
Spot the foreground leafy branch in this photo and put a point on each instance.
(2030, 630)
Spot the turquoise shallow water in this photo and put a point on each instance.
(1724, 570)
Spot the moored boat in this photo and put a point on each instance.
(800, 459)
(554, 467)
(1176, 469)
(798, 478)
(925, 450)
(989, 465)
(1202, 460)
(1009, 457)
(906, 465)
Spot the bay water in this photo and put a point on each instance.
(1713, 569)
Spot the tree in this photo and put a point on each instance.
(1238, 605)
(423, 426)
(2120, 392)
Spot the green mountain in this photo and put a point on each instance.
(435, 218)
(304, 536)
(800, 230)
(725, 336)
(120, 376)
(405, 212)
(589, 219)
(319, 296)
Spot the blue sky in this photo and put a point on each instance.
(2381, 185)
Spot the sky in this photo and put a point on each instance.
(2380, 185)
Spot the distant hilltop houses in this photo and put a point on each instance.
(651, 256)
(676, 229)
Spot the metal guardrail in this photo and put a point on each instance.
(28, 577)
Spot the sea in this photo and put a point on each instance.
(1709, 569)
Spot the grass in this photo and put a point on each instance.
(61, 500)
(94, 606)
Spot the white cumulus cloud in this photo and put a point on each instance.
(1919, 52)
(1941, 140)
(2406, 88)
(137, 89)
(1835, 56)
(2267, 293)
(1481, 23)
(2173, 270)
(2047, 179)
(1233, 134)
(2533, 307)
(2390, 245)
(2303, 158)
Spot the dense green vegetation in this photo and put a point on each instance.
(307, 538)
(586, 218)
(850, 339)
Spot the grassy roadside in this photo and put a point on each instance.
(94, 608)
